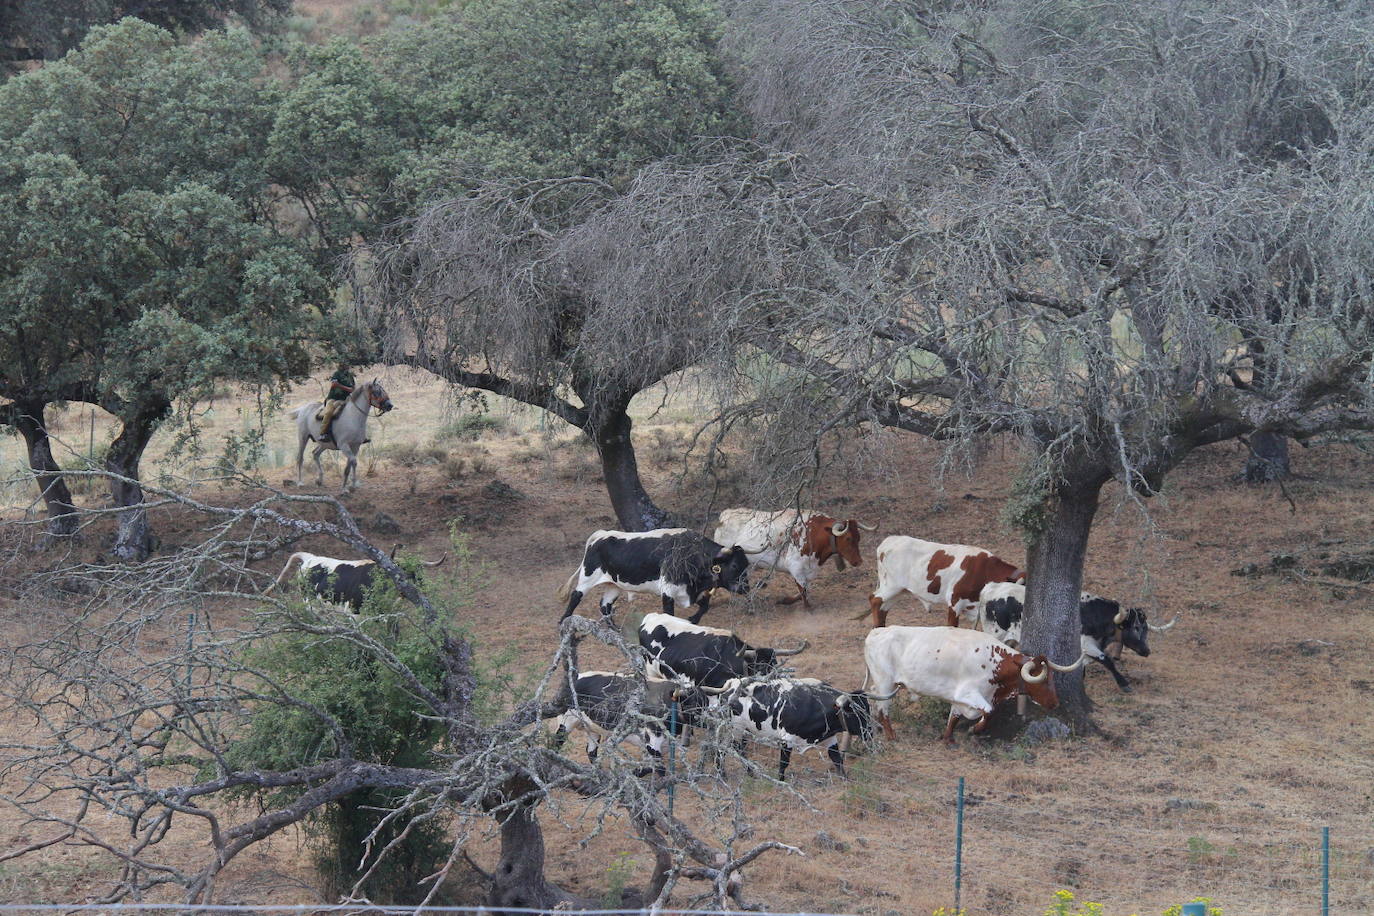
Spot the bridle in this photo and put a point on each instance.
(371, 401)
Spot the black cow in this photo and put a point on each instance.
(704, 656)
(342, 582)
(798, 714)
(1103, 621)
(679, 564)
(602, 703)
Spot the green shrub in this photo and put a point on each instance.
(378, 716)
(471, 426)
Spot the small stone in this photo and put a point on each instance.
(826, 841)
(1046, 729)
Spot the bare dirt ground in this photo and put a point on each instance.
(1249, 728)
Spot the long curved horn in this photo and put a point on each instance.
(867, 527)
(1035, 678)
(874, 696)
(782, 653)
(1066, 668)
(753, 553)
(840, 529)
(438, 562)
(1120, 617)
(715, 691)
(1165, 627)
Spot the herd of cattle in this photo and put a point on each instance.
(693, 671)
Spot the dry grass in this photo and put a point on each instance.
(1249, 728)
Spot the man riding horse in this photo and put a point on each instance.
(341, 385)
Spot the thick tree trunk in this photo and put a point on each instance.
(1268, 459)
(133, 537)
(518, 881)
(29, 419)
(1054, 579)
(632, 504)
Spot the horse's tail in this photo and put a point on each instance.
(295, 412)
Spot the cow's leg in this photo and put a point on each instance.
(800, 596)
(948, 736)
(784, 758)
(837, 759)
(608, 600)
(703, 606)
(886, 723)
(574, 598)
(951, 617)
(876, 602)
(592, 746)
(669, 606)
(980, 725)
(1110, 665)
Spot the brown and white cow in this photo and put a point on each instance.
(797, 542)
(951, 576)
(969, 669)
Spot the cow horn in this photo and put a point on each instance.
(1066, 668)
(438, 562)
(752, 553)
(840, 529)
(1035, 678)
(867, 527)
(1165, 627)
(842, 700)
(715, 691)
(394, 548)
(1120, 617)
(874, 696)
(797, 651)
(750, 654)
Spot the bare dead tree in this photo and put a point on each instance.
(1082, 226)
(130, 745)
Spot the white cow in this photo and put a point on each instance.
(969, 669)
(798, 542)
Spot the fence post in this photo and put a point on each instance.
(959, 846)
(1326, 871)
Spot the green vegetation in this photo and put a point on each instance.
(346, 699)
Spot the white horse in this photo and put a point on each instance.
(348, 431)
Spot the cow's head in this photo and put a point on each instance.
(1133, 632)
(1017, 673)
(827, 537)
(691, 702)
(856, 714)
(730, 570)
(764, 661)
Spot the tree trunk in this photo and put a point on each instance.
(1054, 579)
(29, 420)
(632, 504)
(1268, 459)
(133, 537)
(518, 881)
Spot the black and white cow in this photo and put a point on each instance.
(704, 656)
(679, 564)
(1104, 622)
(601, 705)
(797, 714)
(342, 582)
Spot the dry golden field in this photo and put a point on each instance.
(1249, 728)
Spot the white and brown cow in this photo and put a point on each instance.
(342, 582)
(968, 669)
(798, 542)
(951, 576)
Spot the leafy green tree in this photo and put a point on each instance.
(533, 119)
(46, 29)
(140, 258)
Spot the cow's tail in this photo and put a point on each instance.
(284, 570)
(567, 587)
